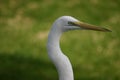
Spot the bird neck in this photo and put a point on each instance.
(60, 61)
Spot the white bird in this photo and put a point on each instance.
(61, 61)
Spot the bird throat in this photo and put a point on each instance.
(61, 61)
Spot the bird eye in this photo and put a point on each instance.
(70, 23)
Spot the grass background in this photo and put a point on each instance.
(24, 26)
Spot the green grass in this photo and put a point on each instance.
(24, 26)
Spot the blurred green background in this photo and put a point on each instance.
(24, 27)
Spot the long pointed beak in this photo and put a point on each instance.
(90, 27)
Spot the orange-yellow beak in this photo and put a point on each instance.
(89, 26)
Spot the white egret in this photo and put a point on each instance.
(61, 61)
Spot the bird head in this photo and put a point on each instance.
(66, 23)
